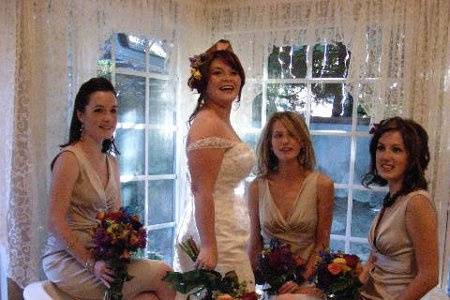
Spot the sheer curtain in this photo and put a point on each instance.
(48, 49)
(400, 65)
(400, 61)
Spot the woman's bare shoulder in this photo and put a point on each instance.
(324, 180)
(205, 125)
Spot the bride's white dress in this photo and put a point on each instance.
(232, 225)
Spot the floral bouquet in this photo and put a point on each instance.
(337, 275)
(278, 265)
(207, 284)
(116, 238)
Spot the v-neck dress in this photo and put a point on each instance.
(395, 265)
(298, 229)
(88, 197)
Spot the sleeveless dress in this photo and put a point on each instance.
(298, 229)
(232, 224)
(395, 266)
(87, 199)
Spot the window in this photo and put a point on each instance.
(139, 68)
(313, 80)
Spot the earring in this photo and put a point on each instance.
(81, 132)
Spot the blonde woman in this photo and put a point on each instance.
(289, 200)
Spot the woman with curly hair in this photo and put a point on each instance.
(403, 236)
(218, 161)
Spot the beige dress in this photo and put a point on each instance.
(232, 222)
(89, 197)
(299, 228)
(395, 265)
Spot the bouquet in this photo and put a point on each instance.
(116, 238)
(277, 265)
(207, 284)
(337, 275)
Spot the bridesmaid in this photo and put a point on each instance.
(403, 236)
(290, 200)
(86, 181)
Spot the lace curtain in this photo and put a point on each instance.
(49, 48)
(400, 61)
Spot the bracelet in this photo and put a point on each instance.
(89, 265)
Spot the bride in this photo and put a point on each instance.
(218, 161)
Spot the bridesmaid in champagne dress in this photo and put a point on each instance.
(86, 181)
(403, 236)
(289, 200)
(218, 162)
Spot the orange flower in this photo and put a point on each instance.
(100, 216)
(334, 268)
(125, 254)
(224, 297)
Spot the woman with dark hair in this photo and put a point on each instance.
(403, 236)
(289, 200)
(218, 161)
(85, 181)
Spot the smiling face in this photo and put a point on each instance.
(391, 159)
(285, 145)
(99, 118)
(224, 83)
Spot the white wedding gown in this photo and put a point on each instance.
(232, 225)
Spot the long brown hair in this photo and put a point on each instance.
(415, 139)
(294, 123)
(201, 84)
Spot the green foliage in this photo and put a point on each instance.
(204, 282)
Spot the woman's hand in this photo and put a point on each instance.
(207, 259)
(366, 269)
(103, 273)
(289, 287)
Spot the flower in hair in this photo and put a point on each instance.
(374, 128)
(196, 61)
(195, 72)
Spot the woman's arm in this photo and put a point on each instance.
(64, 176)
(204, 167)
(421, 224)
(325, 200)
(255, 243)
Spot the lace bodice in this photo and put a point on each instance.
(237, 162)
(230, 211)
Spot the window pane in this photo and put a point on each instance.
(330, 60)
(283, 97)
(160, 201)
(131, 94)
(162, 102)
(251, 139)
(159, 56)
(247, 113)
(131, 146)
(337, 245)
(360, 249)
(133, 197)
(366, 204)
(339, 212)
(333, 156)
(160, 243)
(130, 51)
(287, 62)
(161, 156)
(362, 163)
(331, 107)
